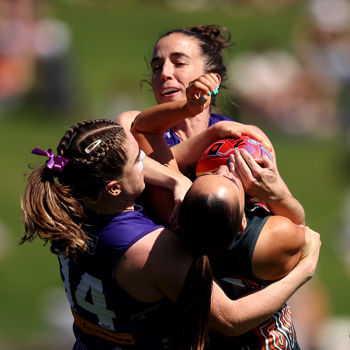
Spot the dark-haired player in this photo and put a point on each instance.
(269, 245)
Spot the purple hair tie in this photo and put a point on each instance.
(56, 163)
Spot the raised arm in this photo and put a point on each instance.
(155, 121)
(235, 317)
(126, 119)
(159, 118)
(162, 177)
(231, 317)
(188, 152)
(262, 180)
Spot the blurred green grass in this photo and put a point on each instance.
(109, 49)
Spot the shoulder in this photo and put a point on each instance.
(167, 253)
(278, 248)
(125, 119)
(163, 260)
(130, 226)
(160, 243)
(289, 235)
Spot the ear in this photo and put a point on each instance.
(244, 223)
(113, 188)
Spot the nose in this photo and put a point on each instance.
(223, 170)
(167, 71)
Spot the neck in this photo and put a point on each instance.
(109, 205)
(192, 126)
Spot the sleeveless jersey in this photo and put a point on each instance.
(105, 316)
(172, 140)
(233, 270)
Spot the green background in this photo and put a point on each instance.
(111, 41)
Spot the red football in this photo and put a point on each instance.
(217, 153)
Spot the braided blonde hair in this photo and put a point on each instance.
(52, 209)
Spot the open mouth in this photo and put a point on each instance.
(169, 91)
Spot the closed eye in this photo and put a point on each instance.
(232, 180)
(156, 67)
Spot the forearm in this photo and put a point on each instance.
(285, 204)
(157, 174)
(262, 180)
(289, 207)
(240, 316)
(234, 317)
(158, 119)
(188, 152)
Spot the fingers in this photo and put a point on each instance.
(231, 163)
(211, 80)
(312, 243)
(256, 165)
(206, 86)
(234, 133)
(315, 237)
(265, 162)
(200, 90)
(226, 129)
(246, 166)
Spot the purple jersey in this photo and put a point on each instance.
(172, 140)
(105, 316)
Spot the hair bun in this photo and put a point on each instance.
(219, 36)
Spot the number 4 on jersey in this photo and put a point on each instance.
(88, 284)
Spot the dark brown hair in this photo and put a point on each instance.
(212, 39)
(208, 224)
(52, 202)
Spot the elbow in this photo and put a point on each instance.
(301, 218)
(233, 332)
(228, 329)
(134, 127)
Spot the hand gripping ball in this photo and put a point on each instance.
(217, 154)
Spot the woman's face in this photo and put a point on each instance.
(177, 60)
(132, 181)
